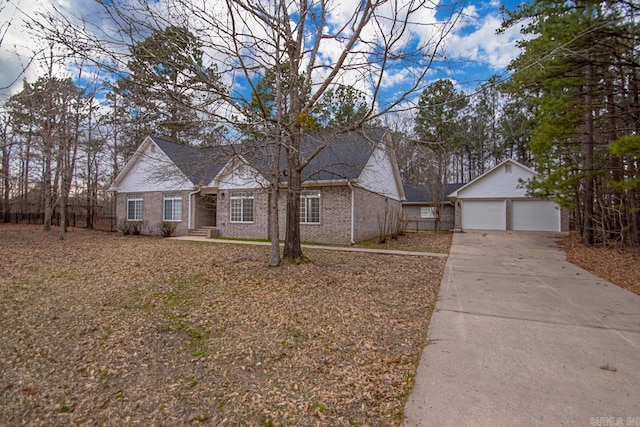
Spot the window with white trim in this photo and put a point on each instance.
(241, 207)
(172, 208)
(310, 207)
(427, 212)
(134, 207)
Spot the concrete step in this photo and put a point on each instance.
(207, 231)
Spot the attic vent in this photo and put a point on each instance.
(507, 168)
(153, 148)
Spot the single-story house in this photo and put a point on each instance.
(347, 187)
(419, 207)
(499, 200)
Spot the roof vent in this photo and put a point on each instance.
(507, 168)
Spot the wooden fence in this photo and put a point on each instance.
(428, 225)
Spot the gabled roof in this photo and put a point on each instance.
(200, 165)
(493, 170)
(343, 158)
(420, 193)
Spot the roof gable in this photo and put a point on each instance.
(504, 180)
(381, 174)
(199, 165)
(354, 156)
(149, 169)
(238, 173)
(159, 164)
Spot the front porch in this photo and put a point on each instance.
(203, 219)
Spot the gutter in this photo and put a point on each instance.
(190, 222)
(425, 203)
(353, 212)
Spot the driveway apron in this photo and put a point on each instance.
(522, 337)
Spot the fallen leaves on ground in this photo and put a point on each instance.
(424, 241)
(620, 266)
(110, 329)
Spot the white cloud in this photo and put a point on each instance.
(478, 42)
(24, 54)
(474, 39)
(470, 12)
(17, 47)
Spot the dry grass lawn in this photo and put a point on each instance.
(620, 266)
(107, 329)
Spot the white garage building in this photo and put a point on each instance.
(498, 200)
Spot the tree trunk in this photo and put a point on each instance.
(6, 182)
(46, 182)
(619, 221)
(274, 226)
(635, 218)
(115, 168)
(587, 152)
(63, 216)
(91, 183)
(62, 167)
(274, 211)
(25, 164)
(89, 201)
(292, 248)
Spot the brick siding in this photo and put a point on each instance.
(152, 210)
(335, 214)
(370, 211)
(258, 229)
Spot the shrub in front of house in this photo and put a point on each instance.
(131, 228)
(167, 229)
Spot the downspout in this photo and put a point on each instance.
(114, 212)
(190, 222)
(353, 212)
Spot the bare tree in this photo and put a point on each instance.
(48, 114)
(314, 46)
(439, 127)
(5, 164)
(436, 177)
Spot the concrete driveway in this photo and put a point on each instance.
(522, 337)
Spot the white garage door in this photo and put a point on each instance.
(484, 215)
(535, 215)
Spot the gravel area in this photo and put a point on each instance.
(105, 329)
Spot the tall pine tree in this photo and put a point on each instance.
(574, 73)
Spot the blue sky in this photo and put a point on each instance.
(475, 52)
(472, 51)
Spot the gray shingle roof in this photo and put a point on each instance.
(419, 193)
(344, 157)
(198, 164)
